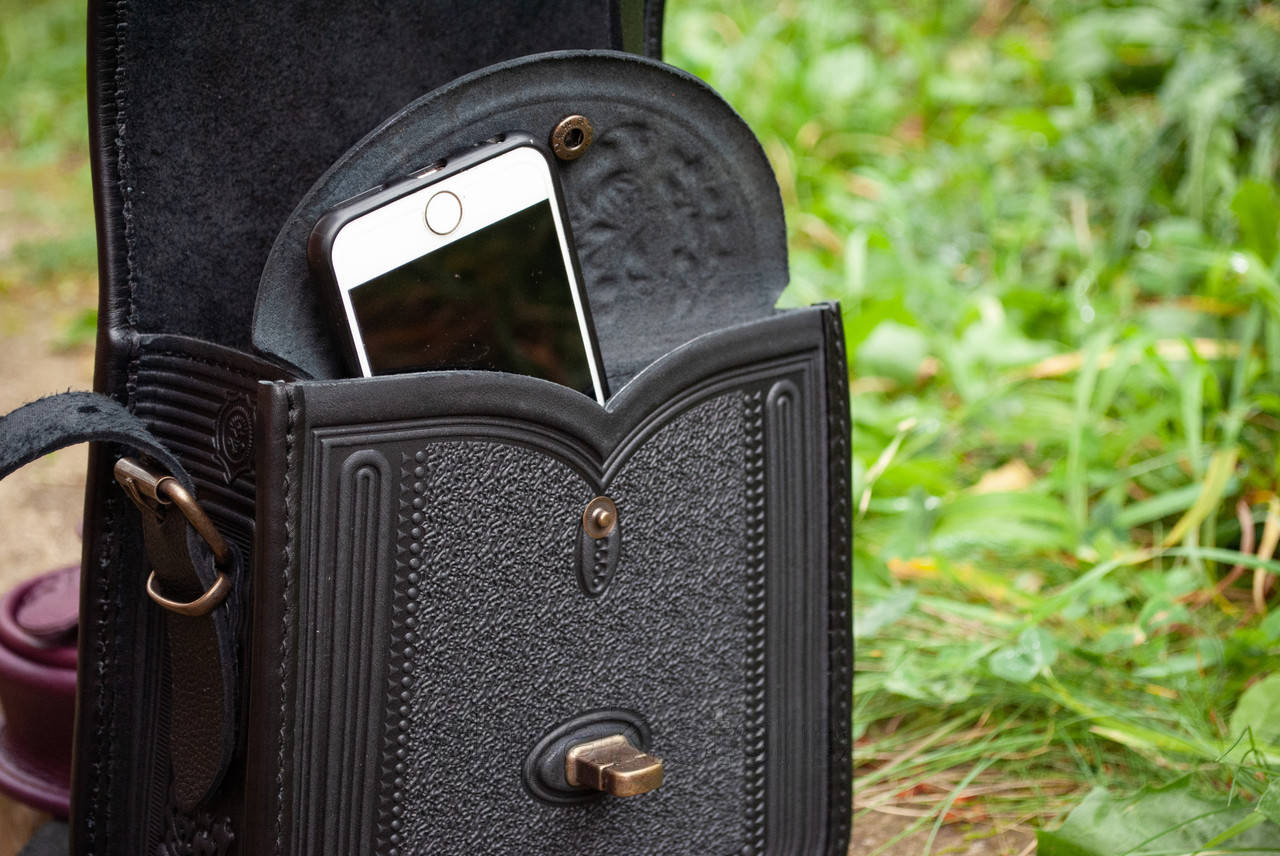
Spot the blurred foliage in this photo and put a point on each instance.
(1053, 229)
(1052, 225)
(47, 240)
(42, 80)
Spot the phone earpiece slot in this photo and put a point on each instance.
(435, 167)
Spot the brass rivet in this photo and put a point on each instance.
(600, 517)
(572, 137)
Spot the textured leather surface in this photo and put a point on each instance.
(674, 209)
(407, 662)
(209, 124)
(503, 628)
(194, 398)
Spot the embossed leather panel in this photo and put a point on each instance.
(198, 399)
(420, 601)
(674, 208)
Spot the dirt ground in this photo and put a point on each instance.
(40, 504)
(872, 830)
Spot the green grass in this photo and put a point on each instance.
(1053, 229)
(47, 241)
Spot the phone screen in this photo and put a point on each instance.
(497, 299)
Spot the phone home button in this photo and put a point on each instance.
(444, 212)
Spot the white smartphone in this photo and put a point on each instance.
(467, 264)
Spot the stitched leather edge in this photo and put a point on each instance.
(123, 168)
(287, 570)
(397, 665)
(757, 637)
(839, 595)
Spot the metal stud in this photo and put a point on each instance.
(600, 517)
(572, 137)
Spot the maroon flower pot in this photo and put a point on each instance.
(38, 622)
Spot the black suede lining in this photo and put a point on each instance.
(674, 208)
(218, 116)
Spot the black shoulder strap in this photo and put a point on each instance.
(201, 647)
(48, 424)
(49, 840)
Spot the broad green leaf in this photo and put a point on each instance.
(1257, 711)
(1243, 825)
(1269, 803)
(1270, 626)
(893, 350)
(1257, 209)
(948, 679)
(1164, 822)
(1036, 650)
(883, 613)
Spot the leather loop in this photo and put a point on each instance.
(201, 648)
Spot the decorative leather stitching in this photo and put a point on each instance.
(287, 613)
(757, 637)
(103, 652)
(402, 629)
(839, 596)
(123, 167)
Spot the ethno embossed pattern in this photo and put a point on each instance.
(712, 628)
(489, 594)
(233, 436)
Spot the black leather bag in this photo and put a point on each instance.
(416, 620)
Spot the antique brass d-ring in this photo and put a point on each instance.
(152, 492)
(202, 605)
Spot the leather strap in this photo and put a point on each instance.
(201, 649)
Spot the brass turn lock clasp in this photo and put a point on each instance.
(614, 766)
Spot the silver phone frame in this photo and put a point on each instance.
(392, 235)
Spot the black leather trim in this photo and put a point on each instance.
(653, 15)
(776, 368)
(544, 402)
(839, 598)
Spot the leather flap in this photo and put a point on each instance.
(674, 208)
